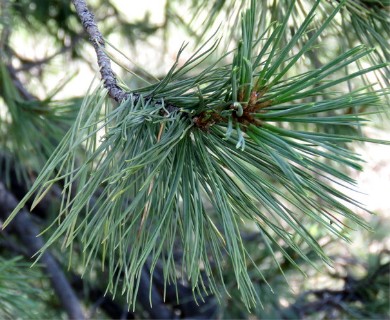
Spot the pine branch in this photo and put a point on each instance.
(110, 83)
(88, 21)
(241, 150)
(27, 232)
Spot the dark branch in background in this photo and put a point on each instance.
(190, 305)
(28, 234)
(96, 38)
(100, 300)
(363, 292)
(158, 310)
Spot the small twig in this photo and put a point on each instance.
(27, 64)
(23, 225)
(96, 38)
(18, 84)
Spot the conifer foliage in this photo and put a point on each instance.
(169, 177)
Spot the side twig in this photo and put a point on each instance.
(27, 233)
(88, 21)
(96, 38)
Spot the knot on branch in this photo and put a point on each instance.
(241, 112)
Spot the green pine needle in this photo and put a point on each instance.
(140, 181)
